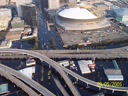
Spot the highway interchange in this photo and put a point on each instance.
(61, 69)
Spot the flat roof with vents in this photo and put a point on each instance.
(114, 74)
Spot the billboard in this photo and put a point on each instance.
(3, 88)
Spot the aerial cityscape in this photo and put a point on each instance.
(63, 47)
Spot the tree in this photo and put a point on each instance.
(42, 46)
(47, 46)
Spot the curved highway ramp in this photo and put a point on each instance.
(27, 80)
(19, 83)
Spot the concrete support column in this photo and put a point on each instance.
(87, 84)
(77, 79)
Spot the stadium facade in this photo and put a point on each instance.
(81, 17)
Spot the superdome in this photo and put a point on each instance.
(81, 17)
(77, 13)
(81, 11)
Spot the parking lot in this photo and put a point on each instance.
(77, 37)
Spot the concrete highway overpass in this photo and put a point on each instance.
(59, 68)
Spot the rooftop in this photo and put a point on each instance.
(81, 11)
(121, 11)
(6, 44)
(77, 13)
(4, 9)
(16, 19)
(17, 29)
(28, 4)
(112, 71)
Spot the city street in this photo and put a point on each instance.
(44, 35)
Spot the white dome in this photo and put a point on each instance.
(77, 13)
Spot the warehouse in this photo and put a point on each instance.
(84, 66)
(113, 74)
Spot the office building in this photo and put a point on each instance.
(53, 4)
(19, 3)
(29, 14)
(2, 2)
(121, 14)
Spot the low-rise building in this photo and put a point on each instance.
(4, 22)
(5, 12)
(103, 6)
(113, 74)
(5, 44)
(83, 64)
(17, 22)
(27, 31)
(14, 34)
(64, 63)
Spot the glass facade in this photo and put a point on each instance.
(29, 14)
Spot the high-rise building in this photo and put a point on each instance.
(3, 2)
(19, 3)
(53, 4)
(29, 14)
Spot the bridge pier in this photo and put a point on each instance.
(77, 79)
(126, 92)
(112, 91)
(99, 88)
(49, 66)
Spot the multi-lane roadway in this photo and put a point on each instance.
(42, 90)
(49, 61)
(60, 69)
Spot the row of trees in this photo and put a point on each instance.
(93, 47)
(36, 45)
(52, 43)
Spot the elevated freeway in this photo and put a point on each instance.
(49, 61)
(122, 49)
(83, 56)
(59, 68)
(27, 80)
(19, 83)
(104, 55)
(78, 54)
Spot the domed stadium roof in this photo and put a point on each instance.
(81, 11)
